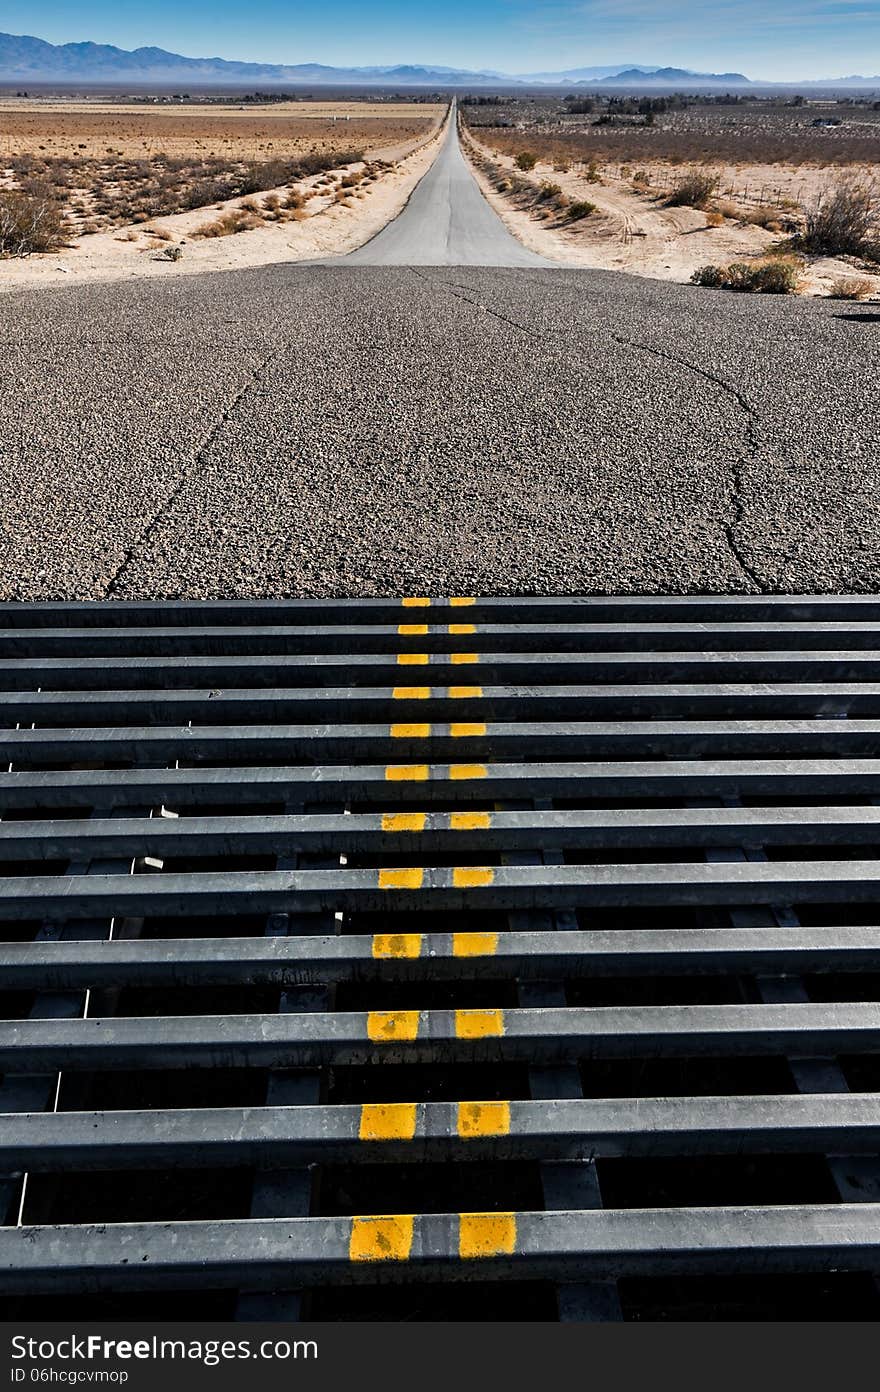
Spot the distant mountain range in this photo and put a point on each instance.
(26, 59)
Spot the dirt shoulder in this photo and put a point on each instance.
(634, 231)
(333, 221)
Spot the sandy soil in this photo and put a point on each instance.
(634, 232)
(329, 228)
(56, 129)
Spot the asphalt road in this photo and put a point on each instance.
(354, 429)
(447, 222)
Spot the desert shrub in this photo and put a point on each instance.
(161, 232)
(844, 221)
(525, 160)
(593, 175)
(850, 288)
(29, 222)
(727, 209)
(548, 191)
(768, 218)
(236, 220)
(582, 209)
(171, 253)
(694, 191)
(503, 186)
(712, 276)
(775, 277)
(641, 176)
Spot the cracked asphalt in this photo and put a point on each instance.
(353, 429)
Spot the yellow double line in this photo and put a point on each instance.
(480, 1235)
(402, 1026)
(397, 1121)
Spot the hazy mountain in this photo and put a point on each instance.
(669, 77)
(23, 58)
(584, 74)
(26, 59)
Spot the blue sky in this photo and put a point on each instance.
(763, 38)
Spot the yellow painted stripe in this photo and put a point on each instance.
(470, 821)
(462, 628)
(404, 821)
(461, 601)
(479, 1024)
(411, 693)
(389, 1026)
(461, 659)
(482, 1119)
(467, 729)
(397, 945)
(464, 693)
(416, 602)
(381, 1239)
(472, 876)
(401, 879)
(412, 630)
(410, 731)
(392, 1121)
(412, 659)
(474, 944)
(486, 1235)
(406, 773)
(459, 772)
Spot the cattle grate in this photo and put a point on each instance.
(485, 958)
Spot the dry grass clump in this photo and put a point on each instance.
(775, 276)
(693, 191)
(851, 288)
(525, 160)
(236, 220)
(714, 217)
(844, 221)
(30, 222)
(771, 219)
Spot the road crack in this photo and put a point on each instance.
(731, 529)
(189, 473)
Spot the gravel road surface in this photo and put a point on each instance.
(356, 429)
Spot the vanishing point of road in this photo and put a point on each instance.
(440, 412)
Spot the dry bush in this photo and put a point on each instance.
(768, 218)
(30, 222)
(771, 277)
(851, 288)
(713, 277)
(236, 220)
(161, 233)
(525, 160)
(728, 210)
(582, 209)
(845, 221)
(714, 218)
(694, 190)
